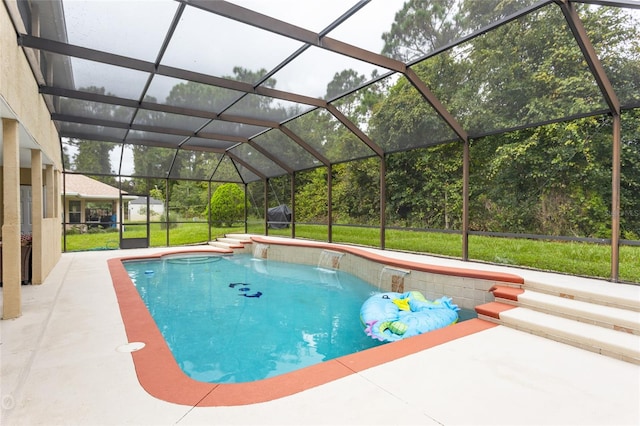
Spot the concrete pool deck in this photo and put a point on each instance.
(64, 362)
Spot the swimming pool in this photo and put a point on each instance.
(235, 319)
(160, 376)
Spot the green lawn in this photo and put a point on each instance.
(566, 257)
(181, 234)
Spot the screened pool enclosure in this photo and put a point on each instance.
(465, 119)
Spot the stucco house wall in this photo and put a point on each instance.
(30, 152)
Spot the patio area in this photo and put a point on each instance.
(61, 365)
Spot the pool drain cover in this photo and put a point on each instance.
(130, 347)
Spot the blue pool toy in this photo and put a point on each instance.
(393, 316)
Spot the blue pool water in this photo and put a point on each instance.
(234, 319)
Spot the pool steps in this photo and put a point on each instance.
(609, 325)
(231, 242)
(600, 316)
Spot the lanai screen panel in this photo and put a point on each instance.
(229, 128)
(315, 16)
(312, 72)
(226, 171)
(267, 108)
(115, 26)
(94, 110)
(447, 24)
(328, 136)
(210, 44)
(187, 123)
(91, 132)
(528, 71)
(247, 175)
(79, 155)
(190, 94)
(100, 78)
(208, 144)
(152, 138)
(371, 21)
(618, 51)
(147, 161)
(284, 148)
(257, 160)
(403, 120)
(195, 165)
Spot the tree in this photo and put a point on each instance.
(420, 27)
(91, 156)
(311, 196)
(188, 198)
(553, 179)
(227, 204)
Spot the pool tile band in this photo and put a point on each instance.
(160, 375)
(404, 264)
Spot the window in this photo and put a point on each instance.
(75, 213)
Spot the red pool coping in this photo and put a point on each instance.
(159, 374)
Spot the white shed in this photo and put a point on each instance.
(137, 209)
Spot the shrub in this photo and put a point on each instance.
(227, 204)
(172, 221)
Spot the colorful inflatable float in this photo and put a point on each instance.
(394, 316)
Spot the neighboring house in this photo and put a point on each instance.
(137, 209)
(90, 203)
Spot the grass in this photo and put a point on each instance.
(584, 259)
(182, 234)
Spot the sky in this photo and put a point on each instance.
(204, 42)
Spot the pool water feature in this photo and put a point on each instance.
(330, 259)
(260, 250)
(235, 319)
(394, 277)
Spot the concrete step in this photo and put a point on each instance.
(234, 242)
(245, 238)
(224, 245)
(623, 296)
(239, 243)
(616, 344)
(591, 313)
(606, 341)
